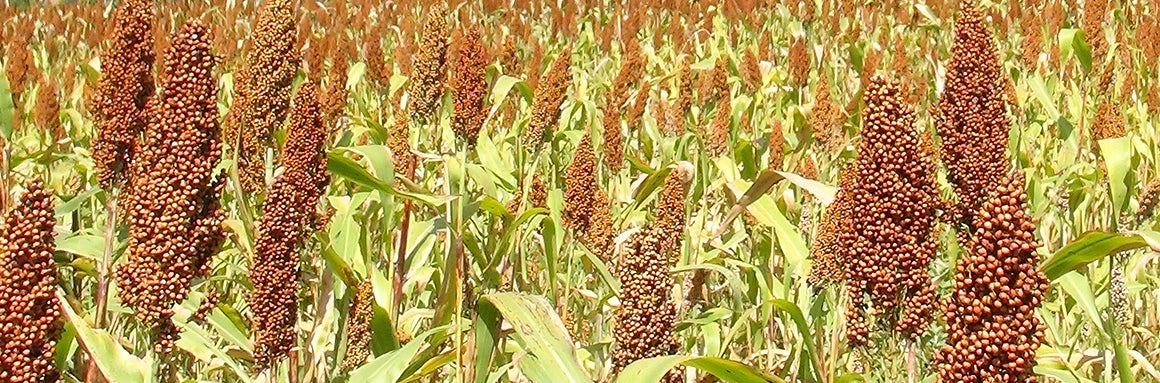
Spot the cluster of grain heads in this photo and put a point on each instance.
(645, 319)
(399, 139)
(586, 206)
(173, 209)
(889, 234)
(992, 327)
(828, 248)
(288, 214)
(18, 64)
(972, 121)
(30, 313)
(617, 98)
(469, 85)
(799, 62)
(776, 145)
(333, 96)
(262, 91)
(426, 84)
(358, 327)
(716, 140)
(123, 90)
(372, 46)
(47, 113)
(715, 86)
(549, 97)
(1149, 198)
(1094, 12)
(1032, 44)
(825, 117)
(646, 316)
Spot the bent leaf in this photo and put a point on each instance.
(654, 370)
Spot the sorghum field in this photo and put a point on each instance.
(577, 191)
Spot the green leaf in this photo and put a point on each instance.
(654, 370)
(1117, 154)
(1088, 248)
(1039, 88)
(1080, 290)
(541, 332)
(760, 186)
(355, 74)
(824, 193)
(7, 109)
(116, 364)
(85, 245)
(389, 367)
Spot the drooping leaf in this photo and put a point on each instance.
(540, 331)
(116, 364)
(654, 369)
(1088, 248)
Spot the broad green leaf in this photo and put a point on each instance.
(1039, 88)
(760, 186)
(116, 364)
(1117, 154)
(355, 74)
(389, 367)
(540, 331)
(1088, 248)
(7, 109)
(654, 369)
(85, 245)
(1080, 290)
(824, 193)
(197, 342)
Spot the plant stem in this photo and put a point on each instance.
(102, 296)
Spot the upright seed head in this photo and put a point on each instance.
(828, 250)
(776, 145)
(1148, 200)
(333, 97)
(377, 69)
(669, 219)
(824, 117)
(47, 113)
(358, 328)
(262, 90)
(286, 215)
(646, 316)
(125, 85)
(426, 83)
(469, 85)
(971, 120)
(992, 327)
(174, 214)
(548, 99)
(614, 102)
(889, 234)
(717, 139)
(684, 102)
(30, 313)
(799, 62)
(18, 64)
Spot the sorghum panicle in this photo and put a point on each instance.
(286, 218)
(549, 98)
(776, 145)
(827, 250)
(125, 85)
(469, 85)
(646, 316)
(30, 313)
(717, 138)
(173, 209)
(262, 90)
(358, 328)
(993, 330)
(426, 83)
(971, 120)
(889, 234)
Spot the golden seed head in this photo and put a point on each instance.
(287, 216)
(972, 121)
(993, 330)
(30, 314)
(889, 235)
(262, 90)
(426, 83)
(469, 85)
(548, 99)
(645, 319)
(172, 201)
(125, 85)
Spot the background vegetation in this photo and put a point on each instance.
(468, 278)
